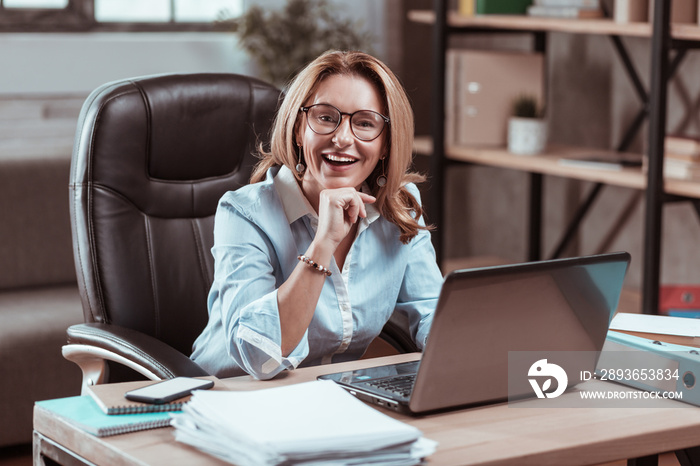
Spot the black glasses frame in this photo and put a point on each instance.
(387, 121)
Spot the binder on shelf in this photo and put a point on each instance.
(467, 7)
(631, 356)
(612, 161)
(569, 3)
(687, 158)
(631, 11)
(564, 12)
(681, 169)
(502, 7)
(479, 90)
(682, 157)
(680, 145)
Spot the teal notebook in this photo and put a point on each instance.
(83, 412)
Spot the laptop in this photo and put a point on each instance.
(560, 305)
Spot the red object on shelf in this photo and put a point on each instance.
(679, 297)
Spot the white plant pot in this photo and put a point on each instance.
(526, 136)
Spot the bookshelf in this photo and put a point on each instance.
(664, 39)
(574, 26)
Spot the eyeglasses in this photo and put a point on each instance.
(366, 125)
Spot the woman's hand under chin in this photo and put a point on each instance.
(339, 209)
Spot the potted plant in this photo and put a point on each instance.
(281, 42)
(527, 129)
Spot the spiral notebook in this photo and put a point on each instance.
(83, 412)
(110, 397)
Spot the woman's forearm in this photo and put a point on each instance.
(298, 296)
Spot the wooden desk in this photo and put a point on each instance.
(495, 434)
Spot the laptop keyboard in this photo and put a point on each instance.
(401, 385)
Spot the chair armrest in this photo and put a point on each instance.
(398, 337)
(90, 344)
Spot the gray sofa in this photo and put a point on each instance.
(38, 293)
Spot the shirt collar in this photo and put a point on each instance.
(296, 205)
(372, 212)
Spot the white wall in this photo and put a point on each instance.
(76, 63)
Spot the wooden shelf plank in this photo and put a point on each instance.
(575, 26)
(547, 163)
(682, 188)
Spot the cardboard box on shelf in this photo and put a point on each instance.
(480, 89)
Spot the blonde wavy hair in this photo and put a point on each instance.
(394, 202)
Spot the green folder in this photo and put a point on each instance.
(502, 7)
(83, 412)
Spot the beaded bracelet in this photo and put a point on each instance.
(316, 266)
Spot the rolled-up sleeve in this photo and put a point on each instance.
(244, 291)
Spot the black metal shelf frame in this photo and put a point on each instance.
(653, 107)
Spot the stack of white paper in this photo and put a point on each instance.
(314, 422)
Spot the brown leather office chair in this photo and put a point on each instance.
(152, 157)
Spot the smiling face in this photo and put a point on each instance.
(339, 159)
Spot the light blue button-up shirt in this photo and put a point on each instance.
(259, 232)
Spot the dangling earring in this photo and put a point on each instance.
(381, 179)
(300, 166)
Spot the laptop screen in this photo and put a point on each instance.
(483, 314)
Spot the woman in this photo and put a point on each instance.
(314, 256)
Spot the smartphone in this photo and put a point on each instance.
(168, 390)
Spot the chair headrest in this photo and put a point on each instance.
(199, 131)
(180, 138)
